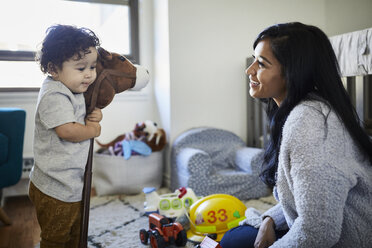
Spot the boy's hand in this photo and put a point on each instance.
(95, 116)
(95, 126)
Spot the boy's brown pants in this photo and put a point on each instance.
(59, 221)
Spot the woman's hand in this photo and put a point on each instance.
(266, 234)
(95, 116)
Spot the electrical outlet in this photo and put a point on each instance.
(26, 167)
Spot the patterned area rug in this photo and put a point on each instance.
(115, 221)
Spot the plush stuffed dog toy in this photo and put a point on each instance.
(147, 131)
(155, 137)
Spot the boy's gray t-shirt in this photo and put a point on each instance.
(59, 165)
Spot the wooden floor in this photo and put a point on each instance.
(24, 231)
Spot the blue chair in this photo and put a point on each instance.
(12, 130)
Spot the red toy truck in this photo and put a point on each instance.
(163, 232)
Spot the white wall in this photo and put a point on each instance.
(161, 69)
(209, 45)
(343, 16)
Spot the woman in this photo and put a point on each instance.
(318, 158)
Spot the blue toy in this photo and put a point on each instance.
(139, 147)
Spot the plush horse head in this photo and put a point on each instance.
(115, 74)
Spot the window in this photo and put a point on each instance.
(23, 24)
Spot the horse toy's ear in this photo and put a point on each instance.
(104, 55)
(115, 74)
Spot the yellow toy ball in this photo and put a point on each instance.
(214, 215)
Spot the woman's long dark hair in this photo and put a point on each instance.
(309, 65)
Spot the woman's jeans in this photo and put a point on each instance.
(243, 237)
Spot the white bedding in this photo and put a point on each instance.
(353, 51)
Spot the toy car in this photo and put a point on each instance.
(163, 232)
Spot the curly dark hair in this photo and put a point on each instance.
(62, 42)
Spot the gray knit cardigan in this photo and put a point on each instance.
(324, 183)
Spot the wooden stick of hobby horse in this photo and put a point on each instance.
(86, 198)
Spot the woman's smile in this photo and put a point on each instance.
(265, 74)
